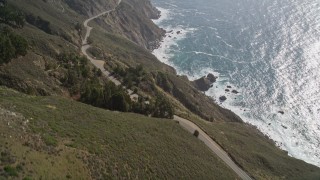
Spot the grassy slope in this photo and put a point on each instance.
(255, 153)
(101, 142)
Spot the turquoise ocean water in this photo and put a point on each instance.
(268, 50)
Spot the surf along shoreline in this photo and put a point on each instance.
(164, 53)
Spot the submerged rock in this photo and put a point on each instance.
(223, 98)
(235, 92)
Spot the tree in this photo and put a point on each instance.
(163, 82)
(71, 78)
(3, 3)
(19, 43)
(10, 16)
(78, 27)
(19, 19)
(119, 102)
(7, 50)
(163, 108)
(12, 45)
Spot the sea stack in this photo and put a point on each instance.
(205, 82)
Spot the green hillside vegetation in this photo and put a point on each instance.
(12, 45)
(58, 72)
(67, 139)
(57, 138)
(121, 53)
(255, 153)
(10, 15)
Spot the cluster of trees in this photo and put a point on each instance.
(12, 45)
(81, 80)
(131, 76)
(77, 73)
(108, 96)
(163, 81)
(159, 107)
(10, 16)
(163, 108)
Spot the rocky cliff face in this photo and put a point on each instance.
(144, 7)
(90, 7)
(132, 19)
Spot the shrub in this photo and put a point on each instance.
(11, 171)
(12, 45)
(49, 140)
(196, 133)
(10, 16)
(163, 81)
(119, 102)
(163, 108)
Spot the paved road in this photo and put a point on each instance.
(188, 125)
(191, 127)
(85, 46)
(100, 63)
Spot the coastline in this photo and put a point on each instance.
(165, 52)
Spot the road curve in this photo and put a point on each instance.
(191, 127)
(85, 46)
(100, 63)
(188, 125)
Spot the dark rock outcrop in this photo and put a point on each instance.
(222, 98)
(235, 91)
(205, 83)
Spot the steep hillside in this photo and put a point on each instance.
(132, 19)
(81, 142)
(56, 138)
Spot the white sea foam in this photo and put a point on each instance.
(165, 15)
(174, 34)
(301, 138)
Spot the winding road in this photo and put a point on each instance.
(191, 127)
(100, 63)
(85, 46)
(186, 124)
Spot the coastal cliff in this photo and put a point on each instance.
(90, 7)
(132, 19)
(102, 143)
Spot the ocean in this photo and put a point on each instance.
(268, 50)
